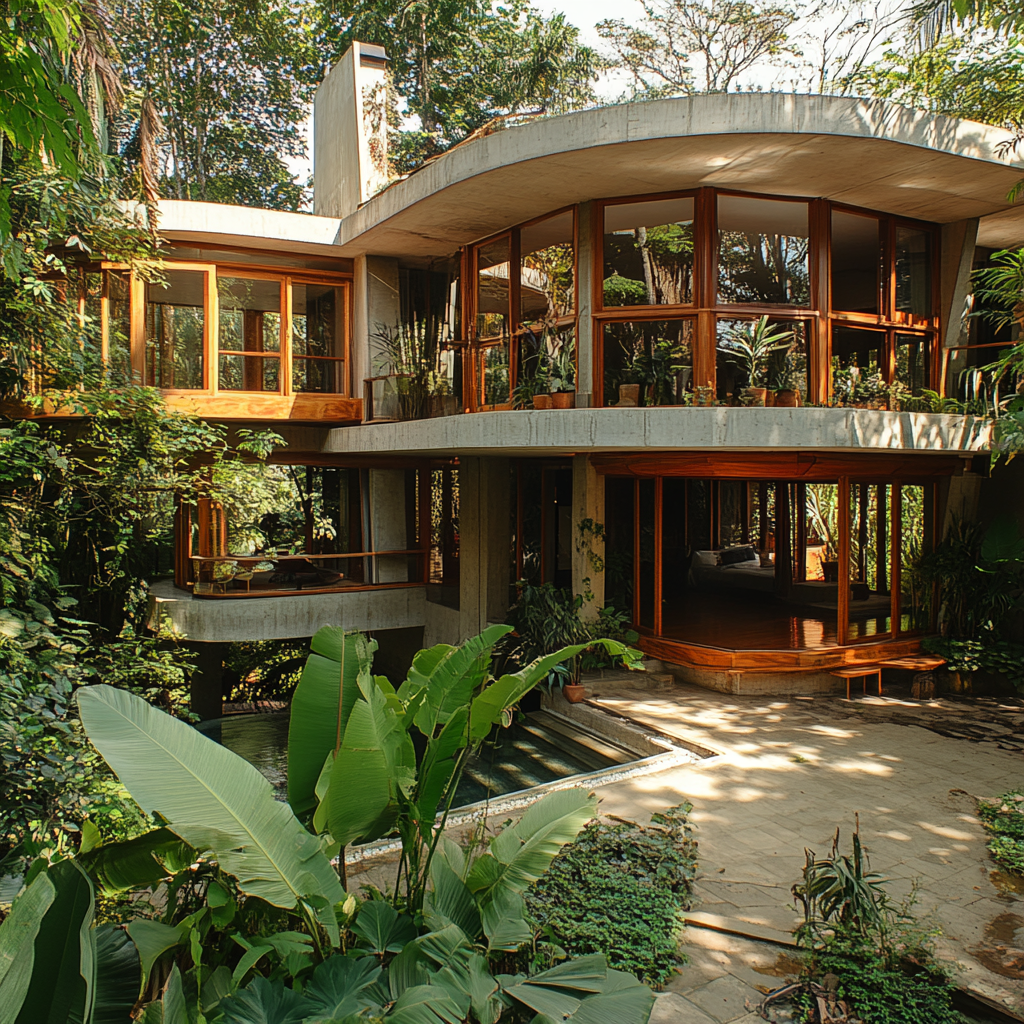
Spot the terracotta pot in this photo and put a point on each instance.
(629, 394)
(769, 399)
(574, 693)
(787, 399)
(755, 396)
(542, 401)
(563, 400)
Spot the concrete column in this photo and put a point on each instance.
(375, 303)
(388, 527)
(958, 242)
(585, 247)
(207, 680)
(962, 500)
(483, 543)
(588, 550)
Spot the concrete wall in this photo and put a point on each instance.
(375, 302)
(957, 255)
(388, 527)
(350, 133)
(585, 243)
(217, 620)
(588, 575)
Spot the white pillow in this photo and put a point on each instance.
(705, 558)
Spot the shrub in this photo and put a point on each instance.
(620, 889)
(1004, 819)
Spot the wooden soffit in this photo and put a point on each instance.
(780, 465)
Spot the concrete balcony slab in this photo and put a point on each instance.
(229, 619)
(671, 428)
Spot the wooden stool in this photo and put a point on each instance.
(923, 666)
(859, 672)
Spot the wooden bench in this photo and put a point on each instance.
(861, 672)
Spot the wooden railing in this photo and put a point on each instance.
(274, 575)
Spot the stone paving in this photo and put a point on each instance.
(792, 770)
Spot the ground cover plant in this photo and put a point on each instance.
(882, 958)
(1004, 821)
(236, 914)
(620, 889)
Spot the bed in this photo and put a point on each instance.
(742, 570)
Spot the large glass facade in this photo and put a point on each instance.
(249, 334)
(764, 353)
(914, 272)
(856, 263)
(755, 564)
(654, 355)
(318, 338)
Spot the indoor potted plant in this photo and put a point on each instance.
(563, 379)
(749, 346)
(785, 393)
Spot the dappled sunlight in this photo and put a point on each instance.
(946, 832)
(867, 767)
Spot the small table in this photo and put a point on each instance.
(859, 672)
(915, 663)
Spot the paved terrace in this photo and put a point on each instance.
(793, 770)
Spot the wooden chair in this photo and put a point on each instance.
(859, 672)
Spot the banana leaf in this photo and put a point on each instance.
(137, 863)
(17, 944)
(313, 725)
(212, 798)
(118, 976)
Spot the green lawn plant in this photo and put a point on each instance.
(619, 889)
(240, 914)
(1004, 820)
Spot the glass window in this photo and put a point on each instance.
(858, 365)
(916, 526)
(870, 604)
(914, 272)
(249, 334)
(763, 353)
(547, 282)
(492, 289)
(647, 552)
(648, 253)
(619, 520)
(912, 361)
(763, 251)
(656, 355)
(856, 263)
(968, 380)
(175, 320)
(119, 326)
(318, 339)
(494, 373)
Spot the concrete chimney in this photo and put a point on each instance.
(350, 132)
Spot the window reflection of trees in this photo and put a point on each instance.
(763, 268)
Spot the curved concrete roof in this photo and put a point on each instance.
(863, 152)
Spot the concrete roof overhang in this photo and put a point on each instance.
(868, 153)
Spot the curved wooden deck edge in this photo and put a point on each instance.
(676, 652)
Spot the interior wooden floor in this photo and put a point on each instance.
(733, 620)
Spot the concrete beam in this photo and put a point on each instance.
(219, 620)
(562, 432)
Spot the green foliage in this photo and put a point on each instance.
(901, 984)
(546, 617)
(752, 345)
(458, 65)
(985, 655)
(1004, 820)
(981, 576)
(620, 889)
(852, 928)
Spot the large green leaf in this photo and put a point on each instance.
(63, 976)
(118, 976)
(426, 1004)
(623, 1000)
(438, 767)
(382, 928)
(265, 1002)
(137, 863)
(449, 676)
(17, 945)
(338, 987)
(504, 921)
(521, 853)
(450, 901)
(313, 726)
(375, 766)
(152, 939)
(210, 797)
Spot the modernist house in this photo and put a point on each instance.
(739, 313)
